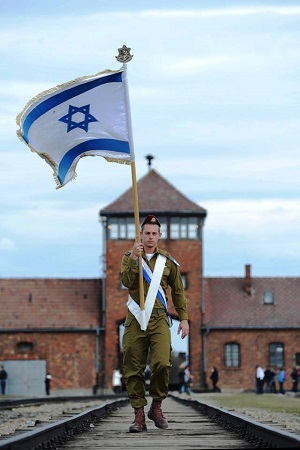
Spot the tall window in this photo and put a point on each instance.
(232, 355)
(276, 354)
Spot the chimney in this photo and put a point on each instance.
(248, 283)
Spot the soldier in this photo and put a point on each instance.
(160, 270)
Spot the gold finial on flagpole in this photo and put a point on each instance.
(124, 55)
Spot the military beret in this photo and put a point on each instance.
(153, 220)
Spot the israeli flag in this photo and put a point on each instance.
(89, 116)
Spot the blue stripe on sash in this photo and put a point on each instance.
(159, 295)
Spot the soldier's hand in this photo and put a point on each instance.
(136, 250)
(184, 328)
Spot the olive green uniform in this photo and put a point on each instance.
(157, 337)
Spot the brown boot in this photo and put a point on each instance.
(139, 421)
(155, 413)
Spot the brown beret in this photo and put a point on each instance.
(153, 220)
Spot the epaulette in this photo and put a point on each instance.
(167, 255)
(172, 259)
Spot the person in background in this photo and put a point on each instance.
(147, 376)
(268, 380)
(273, 388)
(214, 376)
(295, 374)
(117, 381)
(47, 383)
(181, 380)
(3, 378)
(187, 381)
(260, 375)
(281, 377)
(160, 271)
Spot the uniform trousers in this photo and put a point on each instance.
(136, 344)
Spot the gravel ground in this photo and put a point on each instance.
(26, 417)
(284, 421)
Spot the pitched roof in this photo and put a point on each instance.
(40, 303)
(155, 195)
(228, 305)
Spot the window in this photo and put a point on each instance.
(121, 228)
(276, 354)
(268, 298)
(24, 347)
(184, 228)
(232, 355)
(171, 228)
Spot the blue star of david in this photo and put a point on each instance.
(84, 124)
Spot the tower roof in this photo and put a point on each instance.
(155, 195)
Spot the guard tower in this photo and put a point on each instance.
(182, 225)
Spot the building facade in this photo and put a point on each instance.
(73, 327)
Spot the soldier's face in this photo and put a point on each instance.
(150, 235)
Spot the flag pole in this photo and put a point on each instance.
(124, 57)
(138, 234)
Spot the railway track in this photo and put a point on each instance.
(192, 425)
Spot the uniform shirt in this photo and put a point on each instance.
(171, 277)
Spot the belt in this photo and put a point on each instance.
(158, 310)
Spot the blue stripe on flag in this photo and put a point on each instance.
(112, 145)
(67, 94)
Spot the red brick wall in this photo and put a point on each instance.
(254, 349)
(63, 316)
(55, 303)
(70, 356)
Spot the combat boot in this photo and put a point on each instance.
(155, 413)
(139, 423)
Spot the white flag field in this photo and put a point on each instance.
(88, 116)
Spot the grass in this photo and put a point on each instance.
(272, 402)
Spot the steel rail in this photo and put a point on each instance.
(51, 436)
(262, 436)
(55, 435)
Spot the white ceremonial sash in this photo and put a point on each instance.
(143, 316)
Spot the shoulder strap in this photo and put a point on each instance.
(155, 281)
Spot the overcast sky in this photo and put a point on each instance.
(215, 96)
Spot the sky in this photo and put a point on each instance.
(214, 91)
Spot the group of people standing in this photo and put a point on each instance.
(186, 379)
(267, 380)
